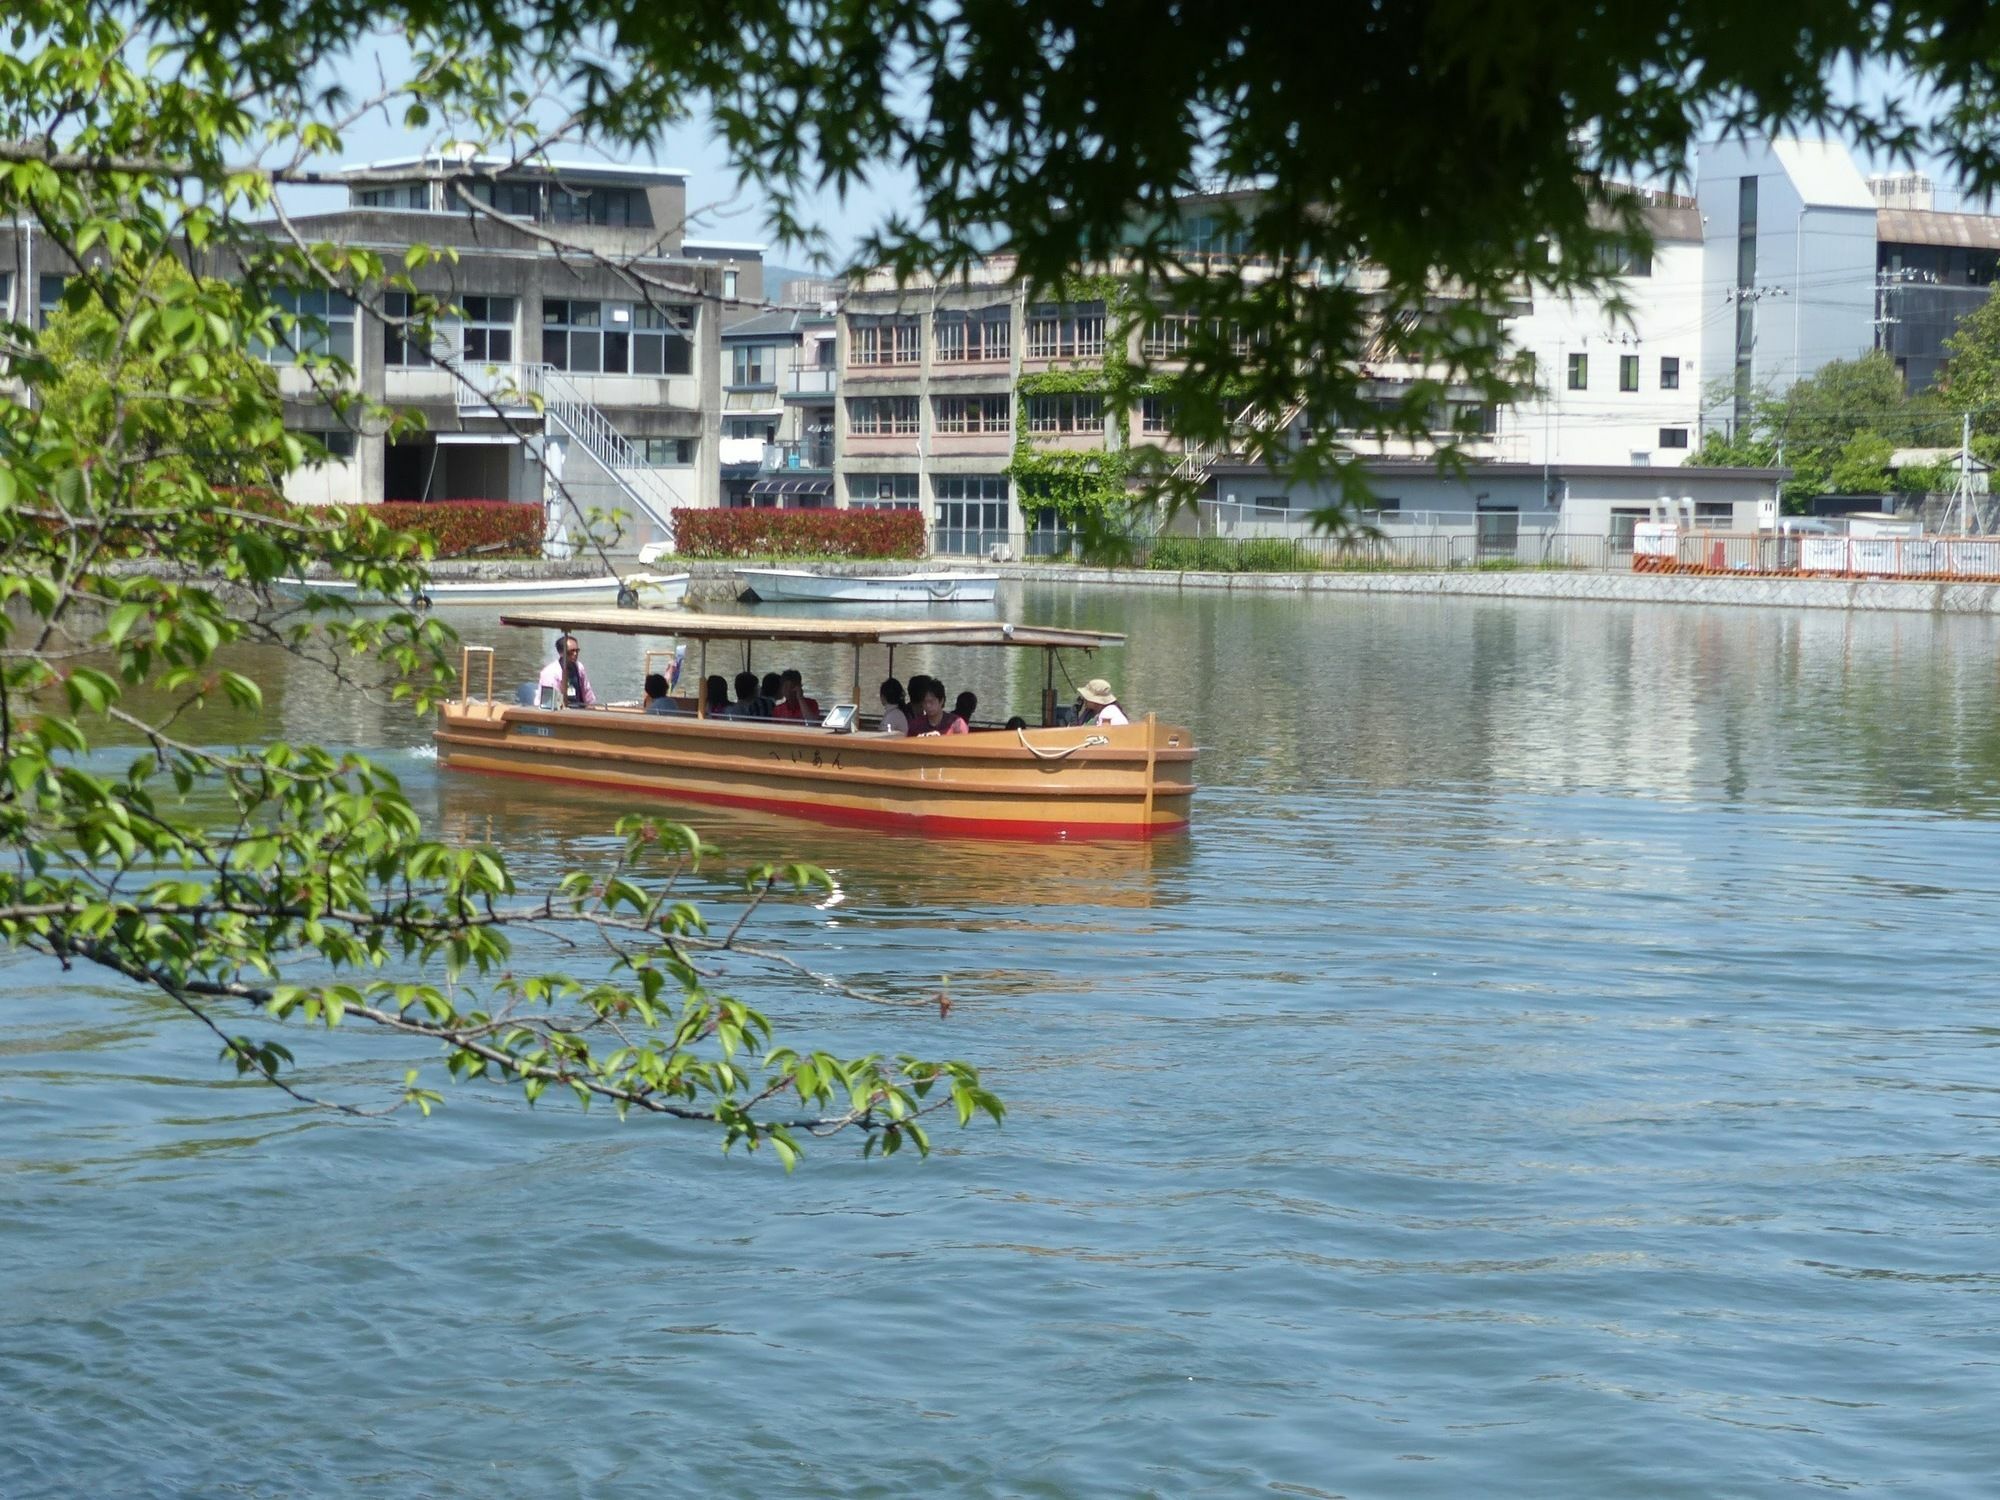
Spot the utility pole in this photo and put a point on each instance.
(1962, 488)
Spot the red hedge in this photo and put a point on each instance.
(489, 528)
(798, 533)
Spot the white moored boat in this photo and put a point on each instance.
(652, 590)
(775, 584)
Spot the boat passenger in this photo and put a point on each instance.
(718, 696)
(795, 704)
(566, 675)
(931, 717)
(964, 708)
(895, 719)
(657, 701)
(750, 702)
(1101, 703)
(1017, 722)
(772, 689)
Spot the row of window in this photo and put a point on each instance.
(586, 338)
(1053, 332)
(617, 207)
(1628, 372)
(897, 416)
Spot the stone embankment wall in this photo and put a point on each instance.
(712, 578)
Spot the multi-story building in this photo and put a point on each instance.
(575, 288)
(1618, 375)
(778, 375)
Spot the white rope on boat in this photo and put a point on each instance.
(1082, 744)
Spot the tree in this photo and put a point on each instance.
(1970, 379)
(139, 541)
(1415, 168)
(1834, 430)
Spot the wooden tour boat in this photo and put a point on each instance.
(1052, 782)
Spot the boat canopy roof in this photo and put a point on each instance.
(690, 626)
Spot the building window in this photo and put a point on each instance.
(882, 492)
(885, 341)
(1670, 373)
(1157, 414)
(517, 200)
(1628, 372)
(573, 335)
(1066, 414)
(973, 414)
(663, 340)
(337, 441)
(1746, 205)
(488, 330)
(729, 285)
(48, 295)
(763, 429)
(1499, 532)
(1066, 332)
(964, 337)
(405, 195)
(668, 453)
(324, 326)
(614, 338)
(405, 345)
(1623, 519)
(1167, 338)
(1673, 437)
(971, 514)
(1715, 512)
(753, 364)
(1579, 372)
(882, 416)
(611, 206)
(7, 294)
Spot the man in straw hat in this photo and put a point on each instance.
(1102, 703)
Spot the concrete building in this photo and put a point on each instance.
(779, 384)
(1617, 385)
(1526, 513)
(576, 288)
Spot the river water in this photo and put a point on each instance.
(1560, 1061)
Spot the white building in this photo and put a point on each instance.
(1618, 385)
(1790, 240)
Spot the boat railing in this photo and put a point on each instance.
(465, 655)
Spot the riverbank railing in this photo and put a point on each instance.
(1969, 559)
(1387, 552)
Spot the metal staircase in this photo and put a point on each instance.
(1198, 462)
(565, 408)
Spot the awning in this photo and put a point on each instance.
(470, 439)
(766, 487)
(805, 486)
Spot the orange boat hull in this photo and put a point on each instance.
(1120, 782)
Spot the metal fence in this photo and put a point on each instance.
(1410, 552)
(1969, 558)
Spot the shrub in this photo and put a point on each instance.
(459, 528)
(1211, 554)
(798, 533)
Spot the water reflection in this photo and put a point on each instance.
(551, 829)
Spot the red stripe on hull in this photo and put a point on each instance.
(862, 817)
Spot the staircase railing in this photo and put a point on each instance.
(1198, 462)
(513, 387)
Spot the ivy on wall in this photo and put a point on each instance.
(1093, 484)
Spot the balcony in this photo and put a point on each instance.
(809, 454)
(809, 383)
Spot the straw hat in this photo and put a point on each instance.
(1097, 693)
